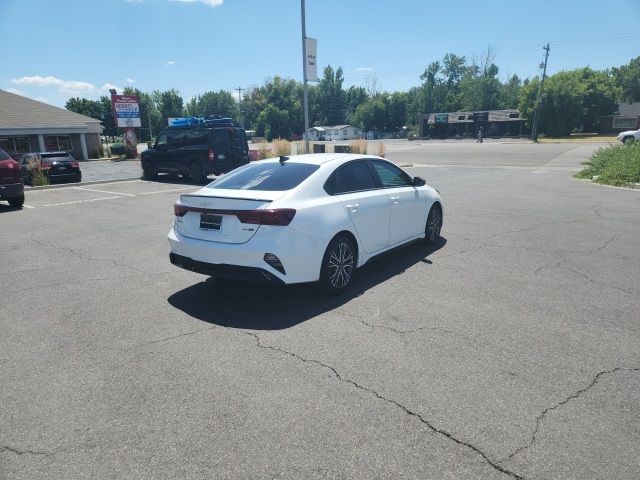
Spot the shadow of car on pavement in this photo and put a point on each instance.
(267, 307)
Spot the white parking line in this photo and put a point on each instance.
(104, 191)
(80, 201)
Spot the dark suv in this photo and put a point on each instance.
(211, 147)
(11, 186)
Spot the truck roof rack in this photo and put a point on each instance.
(202, 122)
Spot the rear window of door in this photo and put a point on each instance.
(221, 140)
(351, 177)
(4, 155)
(238, 141)
(390, 175)
(272, 176)
(198, 138)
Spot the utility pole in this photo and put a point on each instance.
(240, 103)
(536, 118)
(304, 77)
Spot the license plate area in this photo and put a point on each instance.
(210, 223)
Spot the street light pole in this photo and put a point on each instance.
(304, 77)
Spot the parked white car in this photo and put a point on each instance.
(303, 218)
(629, 135)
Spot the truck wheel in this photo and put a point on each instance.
(195, 172)
(149, 172)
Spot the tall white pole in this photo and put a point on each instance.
(304, 77)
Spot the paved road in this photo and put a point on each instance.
(510, 350)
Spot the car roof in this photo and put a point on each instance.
(322, 158)
(48, 153)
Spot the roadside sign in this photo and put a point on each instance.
(311, 64)
(126, 110)
(441, 118)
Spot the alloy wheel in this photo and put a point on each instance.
(434, 224)
(341, 265)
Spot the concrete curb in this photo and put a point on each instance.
(69, 185)
(634, 187)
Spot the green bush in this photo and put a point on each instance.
(618, 165)
(117, 149)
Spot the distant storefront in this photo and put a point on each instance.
(494, 123)
(626, 118)
(27, 125)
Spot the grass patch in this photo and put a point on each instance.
(264, 151)
(358, 146)
(618, 165)
(281, 147)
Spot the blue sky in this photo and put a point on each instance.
(56, 49)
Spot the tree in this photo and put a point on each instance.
(285, 116)
(354, 97)
(275, 121)
(168, 103)
(373, 114)
(84, 106)
(509, 93)
(627, 79)
(213, 103)
(330, 98)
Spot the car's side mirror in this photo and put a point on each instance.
(419, 182)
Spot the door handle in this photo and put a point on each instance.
(352, 207)
(395, 198)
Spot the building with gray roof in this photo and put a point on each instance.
(27, 125)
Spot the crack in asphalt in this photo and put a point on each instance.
(7, 448)
(405, 409)
(573, 396)
(186, 334)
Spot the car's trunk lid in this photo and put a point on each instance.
(9, 172)
(216, 215)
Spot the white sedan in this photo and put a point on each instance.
(629, 136)
(305, 218)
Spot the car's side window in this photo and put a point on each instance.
(162, 141)
(351, 177)
(390, 175)
(177, 140)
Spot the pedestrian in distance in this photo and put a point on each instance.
(479, 140)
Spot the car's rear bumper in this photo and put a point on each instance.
(11, 190)
(235, 272)
(301, 255)
(65, 177)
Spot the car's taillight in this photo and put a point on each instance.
(75, 165)
(179, 210)
(279, 216)
(212, 155)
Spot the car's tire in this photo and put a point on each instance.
(16, 202)
(338, 265)
(149, 171)
(433, 225)
(628, 139)
(195, 173)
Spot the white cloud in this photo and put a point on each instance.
(16, 91)
(364, 69)
(210, 3)
(108, 86)
(63, 85)
(41, 99)
(130, 80)
(171, 62)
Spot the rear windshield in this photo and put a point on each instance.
(276, 177)
(4, 155)
(51, 157)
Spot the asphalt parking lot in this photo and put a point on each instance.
(507, 350)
